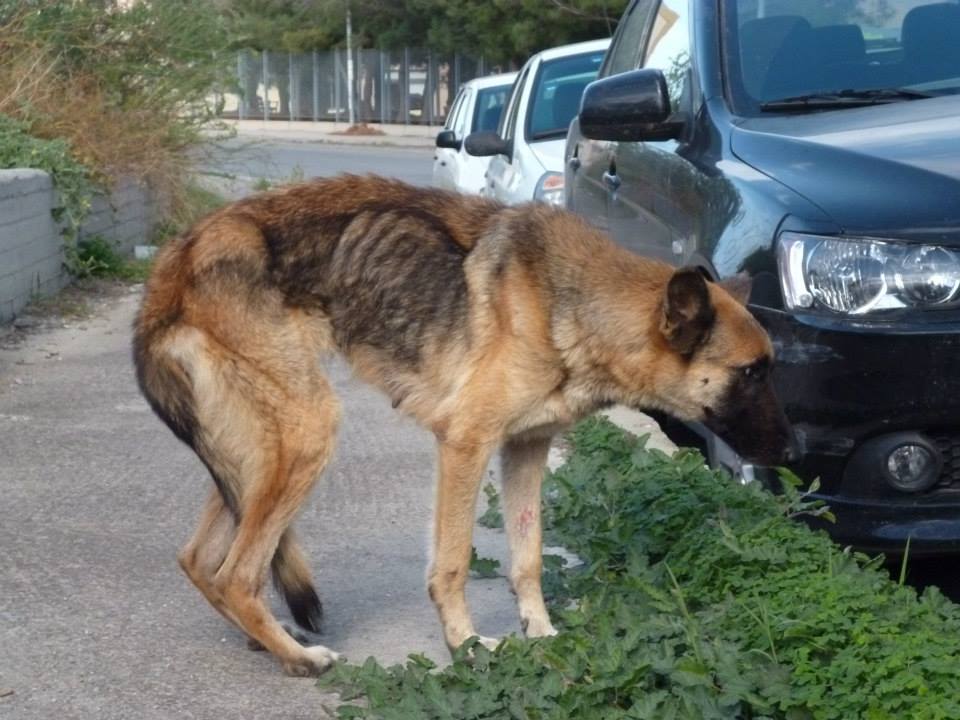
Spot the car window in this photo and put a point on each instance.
(668, 48)
(780, 49)
(509, 119)
(488, 107)
(624, 54)
(555, 96)
(454, 110)
(460, 121)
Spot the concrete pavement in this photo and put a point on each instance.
(96, 620)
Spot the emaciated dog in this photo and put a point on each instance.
(494, 327)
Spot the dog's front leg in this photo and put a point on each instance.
(523, 465)
(461, 467)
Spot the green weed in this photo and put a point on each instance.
(96, 257)
(492, 516)
(698, 597)
(481, 567)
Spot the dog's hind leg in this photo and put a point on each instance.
(265, 424)
(205, 552)
(461, 468)
(293, 431)
(523, 464)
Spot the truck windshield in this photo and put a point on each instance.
(555, 97)
(799, 55)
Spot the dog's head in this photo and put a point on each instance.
(713, 365)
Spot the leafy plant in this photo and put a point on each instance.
(698, 598)
(96, 257)
(492, 517)
(483, 567)
(72, 179)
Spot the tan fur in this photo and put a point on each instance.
(556, 321)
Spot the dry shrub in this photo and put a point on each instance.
(125, 85)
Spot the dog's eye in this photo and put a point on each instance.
(754, 372)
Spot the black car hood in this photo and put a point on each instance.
(885, 171)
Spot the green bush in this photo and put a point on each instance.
(72, 180)
(96, 257)
(698, 598)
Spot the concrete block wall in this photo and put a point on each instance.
(125, 218)
(31, 247)
(31, 244)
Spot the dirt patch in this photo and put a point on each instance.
(359, 129)
(73, 305)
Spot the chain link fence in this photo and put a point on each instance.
(410, 86)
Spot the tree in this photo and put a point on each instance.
(505, 31)
(509, 31)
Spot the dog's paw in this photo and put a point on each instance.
(314, 661)
(465, 650)
(538, 627)
(302, 636)
(488, 642)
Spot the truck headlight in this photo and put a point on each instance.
(857, 276)
(550, 188)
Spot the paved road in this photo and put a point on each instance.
(278, 160)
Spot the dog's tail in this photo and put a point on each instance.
(291, 576)
(163, 380)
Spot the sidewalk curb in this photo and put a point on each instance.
(632, 421)
(366, 141)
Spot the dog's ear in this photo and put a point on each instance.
(738, 286)
(688, 313)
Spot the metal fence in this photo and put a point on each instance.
(408, 86)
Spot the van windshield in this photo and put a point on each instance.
(555, 97)
(785, 55)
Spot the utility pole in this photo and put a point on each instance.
(350, 110)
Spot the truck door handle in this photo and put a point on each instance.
(611, 180)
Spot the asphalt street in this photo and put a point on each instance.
(249, 161)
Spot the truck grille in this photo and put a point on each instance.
(949, 447)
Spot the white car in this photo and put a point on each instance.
(477, 107)
(527, 149)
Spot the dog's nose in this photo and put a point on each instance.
(792, 452)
